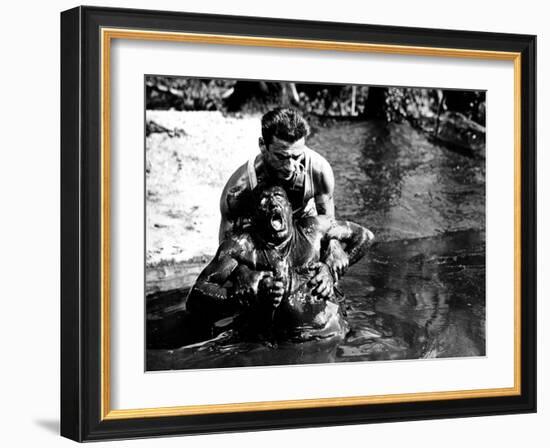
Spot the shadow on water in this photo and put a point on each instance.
(419, 292)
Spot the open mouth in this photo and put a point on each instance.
(277, 222)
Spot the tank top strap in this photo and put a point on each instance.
(309, 188)
(251, 170)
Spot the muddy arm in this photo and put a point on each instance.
(354, 237)
(324, 203)
(232, 201)
(209, 296)
(334, 255)
(226, 223)
(226, 227)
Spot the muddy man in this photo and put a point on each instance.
(284, 160)
(272, 272)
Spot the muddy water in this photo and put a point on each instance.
(419, 292)
(392, 179)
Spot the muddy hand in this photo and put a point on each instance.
(272, 288)
(247, 284)
(337, 259)
(322, 283)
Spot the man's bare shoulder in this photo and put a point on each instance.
(237, 244)
(316, 224)
(323, 176)
(239, 177)
(318, 161)
(235, 186)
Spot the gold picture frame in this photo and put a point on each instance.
(103, 27)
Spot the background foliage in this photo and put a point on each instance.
(392, 104)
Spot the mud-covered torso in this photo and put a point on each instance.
(301, 314)
(291, 261)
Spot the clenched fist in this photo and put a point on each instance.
(271, 288)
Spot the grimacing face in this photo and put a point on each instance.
(283, 158)
(274, 214)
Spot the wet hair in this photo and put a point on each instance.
(285, 124)
(259, 190)
(263, 186)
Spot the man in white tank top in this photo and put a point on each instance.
(284, 160)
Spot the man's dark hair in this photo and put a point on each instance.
(285, 124)
(262, 187)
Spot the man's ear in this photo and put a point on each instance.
(261, 144)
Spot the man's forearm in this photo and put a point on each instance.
(226, 229)
(207, 297)
(357, 244)
(324, 205)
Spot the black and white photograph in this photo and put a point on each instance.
(300, 223)
(275, 224)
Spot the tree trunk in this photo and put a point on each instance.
(375, 106)
(262, 93)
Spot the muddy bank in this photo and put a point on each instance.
(186, 170)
